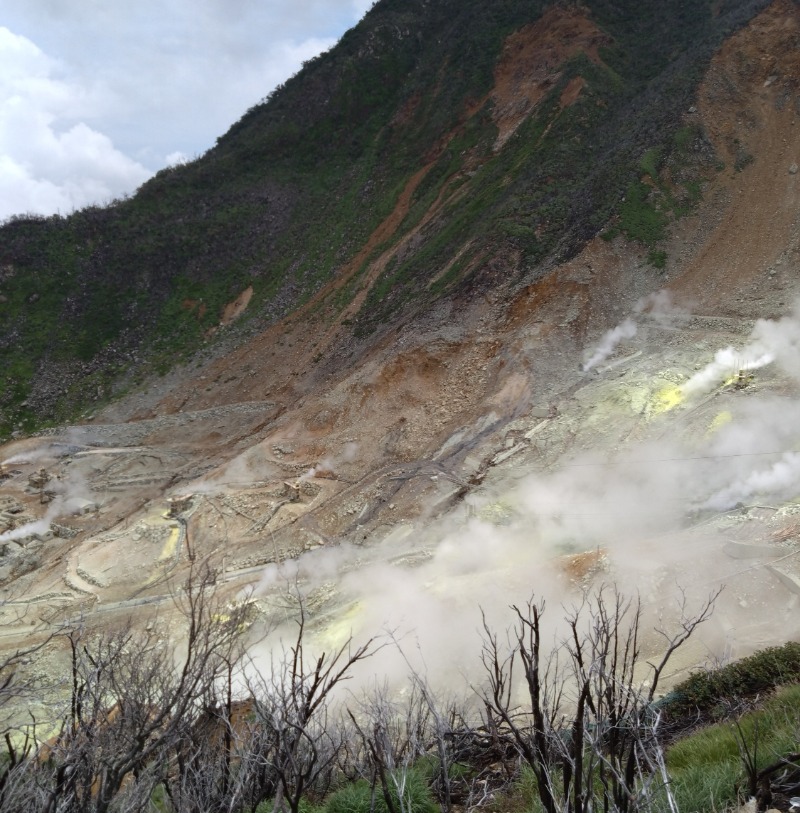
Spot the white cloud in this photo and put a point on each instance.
(176, 158)
(121, 90)
(361, 7)
(49, 162)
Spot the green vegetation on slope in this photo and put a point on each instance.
(707, 767)
(293, 190)
(708, 696)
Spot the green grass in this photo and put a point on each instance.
(657, 258)
(650, 205)
(359, 797)
(706, 767)
(640, 216)
(650, 163)
(683, 137)
(522, 797)
(694, 191)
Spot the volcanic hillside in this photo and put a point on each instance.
(441, 152)
(486, 301)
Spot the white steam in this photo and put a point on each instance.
(631, 513)
(46, 452)
(61, 506)
(249, 467)
(630, 507)
(661, 308)
(608, 343)
(658, 307)
(781, 479)
(612, 511)
(328, 465)
(782, 338)
(71, 496)
(37, 528)
(727, 364)
(770, 341)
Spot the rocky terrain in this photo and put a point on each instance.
(602, 422)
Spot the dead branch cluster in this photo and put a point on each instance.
(198, 727)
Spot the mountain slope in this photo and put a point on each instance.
(594, 420)
(439, 149)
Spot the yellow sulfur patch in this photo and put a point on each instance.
(171, 545)
(666, 398)
(225, 618)
(496, 513)
(721, 420)
(337, 633)
(739, 380)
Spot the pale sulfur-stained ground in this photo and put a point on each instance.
(467, 460)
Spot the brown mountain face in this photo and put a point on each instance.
(502, 439)
(748, 106)
(532, 60)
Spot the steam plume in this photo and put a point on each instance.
(609, 342)
(781, 479)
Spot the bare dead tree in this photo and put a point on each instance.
(532, 728)
(587, 727)
(294, 702)
(18, 686)
(442, 717)
(16, 683)
(218, 760)
(131, 697)
(395, 730)
(393, 734)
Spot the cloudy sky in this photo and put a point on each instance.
(97, 95)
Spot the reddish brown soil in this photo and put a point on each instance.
(748, 105)
(532, 60)
(572, 91)
(233, 310)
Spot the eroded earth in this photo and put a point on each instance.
(604, 423)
